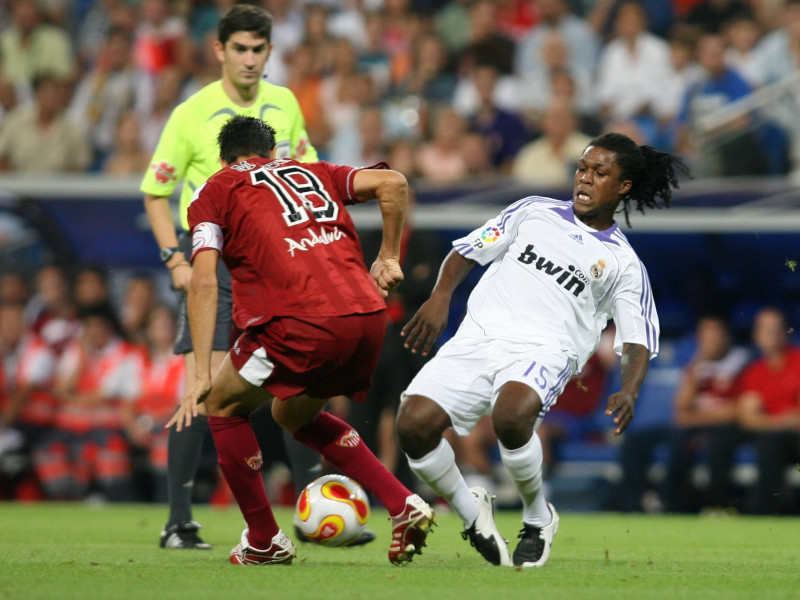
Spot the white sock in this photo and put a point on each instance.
(524, 464)
(438, 469)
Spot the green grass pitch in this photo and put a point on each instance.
(66, 551)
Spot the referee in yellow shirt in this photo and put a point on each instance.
(187, 150)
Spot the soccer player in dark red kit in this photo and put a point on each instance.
(312, 317)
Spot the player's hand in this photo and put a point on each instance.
(387, 274)
(621, 403)
(188, 407)
(425, 327)
(181, 275)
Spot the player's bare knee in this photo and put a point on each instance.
(420, 423)
(514, 414)
(228, 410)
(220, 406)
(292, 415)
(412, 432)
(514, 425)
(415, 443)
(281, 416)
(214, 406)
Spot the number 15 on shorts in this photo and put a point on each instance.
(538, 373)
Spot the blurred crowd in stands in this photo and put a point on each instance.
(88, 379)
(446, 92)
(446, 89)
(88, 383)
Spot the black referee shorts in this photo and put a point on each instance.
(224, 328)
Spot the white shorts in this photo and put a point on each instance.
(466, 375)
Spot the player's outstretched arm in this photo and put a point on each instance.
(391, 190)
(634, 364)
(427, 324)
(202, 311)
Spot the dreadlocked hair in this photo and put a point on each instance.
(653, 173)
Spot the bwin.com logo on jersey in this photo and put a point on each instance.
(490, 234)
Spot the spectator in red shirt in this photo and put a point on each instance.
(27, 404)
(161, 376)
(87, 451)
(705, 418)
(161, 39)
(51, 310)
(28, 364)
(769, 407)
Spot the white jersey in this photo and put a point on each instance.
(555, 281)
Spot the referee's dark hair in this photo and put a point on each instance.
(245, 136)
(245, 17)
(653, 173)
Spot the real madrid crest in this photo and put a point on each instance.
(597, 269)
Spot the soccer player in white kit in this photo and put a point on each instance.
(559, 270)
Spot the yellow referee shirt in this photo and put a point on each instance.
(188, 147)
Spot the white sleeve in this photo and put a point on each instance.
(206, 236)
(69, 362)
(635, 311)
(130, 384)
(486, 243)
(123, 383)
(39, 367)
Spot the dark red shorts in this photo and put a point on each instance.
(321, 357)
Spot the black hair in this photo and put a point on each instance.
(95, 269)
(635, 3)
(19, 272)
(715, 315)
(245, 17)
(119, 31)
(245, 136)
(105, 312)
(43, 77)
(653, 173)
(141, 276)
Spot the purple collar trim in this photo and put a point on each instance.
(568, 214)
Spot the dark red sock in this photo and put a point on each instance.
(341, 445)
(240, 460)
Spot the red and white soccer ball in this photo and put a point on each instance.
(332, 511)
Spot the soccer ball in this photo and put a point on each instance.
(332, 511)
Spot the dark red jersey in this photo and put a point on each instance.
(287, 239)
